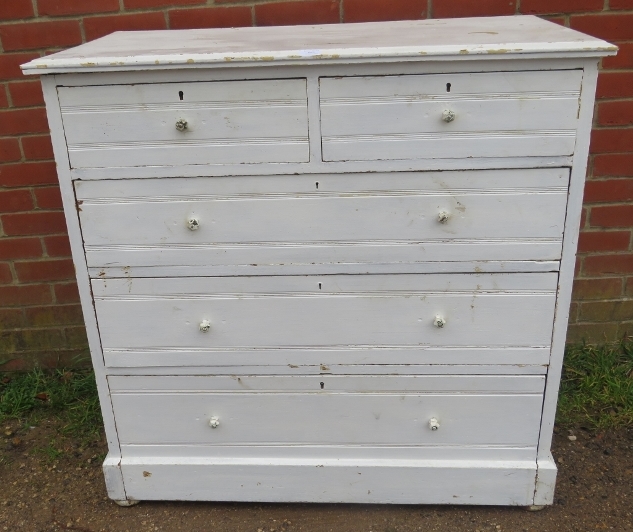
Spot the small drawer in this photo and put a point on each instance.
(449, 116)
(324, 220)
(225, 321)
(328, 410)
(173, 124)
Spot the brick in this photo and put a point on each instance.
(624, 58)
(10, 64)
(609, 26)
(31, 35)
(96, 27)
(20, 121)
(15, 201)
(45, 270)
(606, 310)
(613, 165)
(11, 318)
(76, 336)
(290, 13)
(39, 147)
(26, 93)
(9, 151)
(57, 246)
(606, 264)
(609, 288)
(34, 223)
(620, 4)
(55, 8)
(220, 17)
(13, 9)
(611, 140)
(54, 315)
(377, 10)
(6, 276)
(612, 216)
(20, 248)
(628, 288)
(66, 293)
(593, 241)
(23, 174)
(29, 340)
(64, 358)
(4, 99)
(472, 8)
(615, 113)
(48, 198)
(615, 85)
(610, 190)
(592, 333)
(536, 7)
(148, 4)
(19, 296)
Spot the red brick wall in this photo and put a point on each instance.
(40, 320)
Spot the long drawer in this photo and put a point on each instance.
(396, 411)
(225, 320)
(499, 114)
(323, 220)
(171, 124)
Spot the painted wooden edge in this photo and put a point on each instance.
(79, 260)
(376, 481)
(423, 40)
(114, 478)
(568, 262)
(545, 481)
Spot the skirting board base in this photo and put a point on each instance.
(330, 480)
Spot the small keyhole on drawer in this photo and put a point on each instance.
(180, 94)
(448, 88)
(317, 185)
(322, 385)
(319, 286)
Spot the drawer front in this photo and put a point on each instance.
(221, 317)
(346, 410)
(226, 122)
(325, 219)
(448, 116)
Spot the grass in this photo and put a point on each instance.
(596, 392)
(597, 386)
(69, 395)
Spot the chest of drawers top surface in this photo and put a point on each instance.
(327, 263)
(371, 42)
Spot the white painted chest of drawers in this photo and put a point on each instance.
(330, 263)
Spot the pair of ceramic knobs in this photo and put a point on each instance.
(434, 424)
(438, 321)
(194, 223)
(447, 116)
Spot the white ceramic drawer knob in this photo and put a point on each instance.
(448, 115)
(181, 125)
(439, 321)
(205, 325)
(434, 424)
(443, 217)
(193, 223)
(214, 422)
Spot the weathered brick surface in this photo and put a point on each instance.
(40, 321)
(216, 17)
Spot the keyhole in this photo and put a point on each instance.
(322, 385)
(319, 286)
(181, 94)
(317, 185)
(448, 88)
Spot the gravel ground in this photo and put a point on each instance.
(56, 487)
